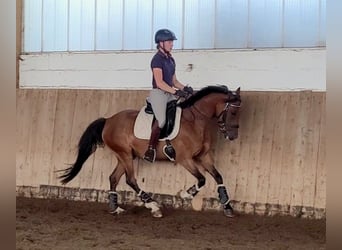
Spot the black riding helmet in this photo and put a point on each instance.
(163, 35)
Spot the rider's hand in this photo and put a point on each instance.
(181, 93)
(188, 89)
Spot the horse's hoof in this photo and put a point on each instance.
(185, 195)
(155, 209)
(118, 210)
(157, 214)
(229, 213)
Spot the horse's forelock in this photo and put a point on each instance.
(233, 96)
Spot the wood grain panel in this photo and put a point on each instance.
(24, 105)
(263, 179)
(312, 134)
(44, 131)
(279, 120)
(301, 139)
(246, 128)
(287, 163)
(64, 115)
(256, 147)
(29, 177)
(321, 172)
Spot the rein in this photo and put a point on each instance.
(200, 112)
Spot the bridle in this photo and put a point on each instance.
(221, 119)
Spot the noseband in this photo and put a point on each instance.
(221, 119)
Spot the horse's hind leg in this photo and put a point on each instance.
(145, 197)
(112, 194)
(191, 192)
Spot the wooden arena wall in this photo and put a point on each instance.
(276, 166)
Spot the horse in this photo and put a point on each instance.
(192, 144)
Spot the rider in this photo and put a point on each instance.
(165, 86)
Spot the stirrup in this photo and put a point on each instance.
(150, 155)
(169, 152)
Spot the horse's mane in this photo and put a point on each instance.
(201, 93)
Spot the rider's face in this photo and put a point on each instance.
(167, 45)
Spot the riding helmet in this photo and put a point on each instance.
(163, 35)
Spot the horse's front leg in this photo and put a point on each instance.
(223, 193)
(145, 197)
(208, 164)
(191, 192)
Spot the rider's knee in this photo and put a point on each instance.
(161, 123)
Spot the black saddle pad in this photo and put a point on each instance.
(170, 117)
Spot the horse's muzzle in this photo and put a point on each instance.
(231, 136)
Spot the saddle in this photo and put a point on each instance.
(143, 122)
(170, 117)
(145, 118)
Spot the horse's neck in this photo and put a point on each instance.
(205, 107)
(201, 120)
(201, 124)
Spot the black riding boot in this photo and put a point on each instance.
(150, 154)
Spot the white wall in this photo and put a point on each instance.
(264, 70)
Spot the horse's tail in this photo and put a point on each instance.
(87, 145)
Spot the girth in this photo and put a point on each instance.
(170, 117)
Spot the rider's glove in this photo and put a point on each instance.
(188, 89)
(181, 93)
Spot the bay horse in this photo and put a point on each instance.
(193, 144)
